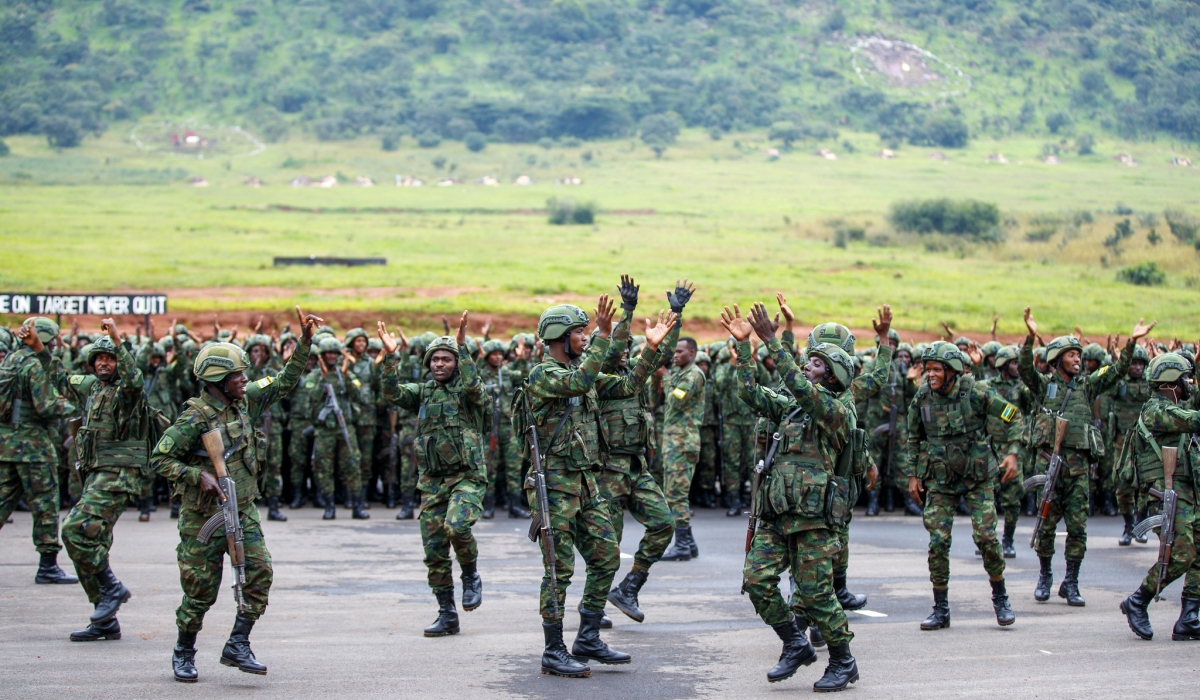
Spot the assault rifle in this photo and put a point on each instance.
(228, 514)
(541, 528)
(494, 440)
(1049, 480)
(761, 471)
(332, 405)
(893, 419)
(1164, 520)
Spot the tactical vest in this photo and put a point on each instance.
(955, 437)
(109, 440)
(442, 423)
(249, 446)
(1010, 389)
(1127, 401)
(13, 390)
(347, 393)
(1082, 434)
(1148, 465)
(581, 443)
(626, 424)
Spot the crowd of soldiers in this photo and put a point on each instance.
(572, 429)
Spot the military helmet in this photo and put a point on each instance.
(325, 330)
(103, 345)
(893, 336)
(167, 341)
(329, 343)
(218, 360)
(763, 353)
(492, 346)
(286, 336)
(472, 346)
(990, 348)
(834, 333)
(946, 353)
(1040, 354)
(443, 343)
(46, 329)
(703, 356)
(1093, 352)
(352, 334)
(1139, 353)
(1168, 368)
(1187, 354)
(157, 350)
(258, 339)
(557, 321)
(374, 344)
(962, 340)
(1061, 344)
(1006, 354)
(7, 339)
(837, 360)
(905, 347)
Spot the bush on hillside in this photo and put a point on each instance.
(1147, 274)
(968, 218)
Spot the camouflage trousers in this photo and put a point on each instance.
(447, 516)
(299, 452)
(737, 453)
(808, 556)
(895, 476)
(623, 487)
(1070, 504)
(365, 439)
(271, 480)
(1009, 495)
(1125, 492)
(87, 531)
(329, 447)
(584, 524)
(706, 466)
(841, 560)
(941, 499)
(1184, 561)
(678, 465)
(508, 455)
(201, 567)
(407, 461)
(38, 483)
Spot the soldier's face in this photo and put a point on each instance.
(935, 373)
(1092, 365)
(495, 359)
(684, 354)
(576, 342)
(373, 353)
(235, 385)
(1069, 363)
(105, 366)
(1136, 369)
(331, 358)
(703, 367)
(155, 361)
(442, 365)
(1040, 365)
(904, 357)
(769, 363)
(258, 355)
(1012, 369)
(359, 345)
(814, 370)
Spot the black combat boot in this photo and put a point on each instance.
(1041, 593)
(555, 659)
(625, 595)
(48, 571)
(318, 500)
(841, 671)
(889, 499)
(472, 594)
(961, 508)
(144, 510)
(849, 601)
(911, 507)
(358, 509)
(109, 630)
(515, 508)
(183, 659)
(679, 551)
(174, 510)
(112, 594)
(872, 503)
(406, 508)
(1138, 516)
(329, 505)
(1070, 586)
(605, 620)
(1030, 505)
(1137, 613)
(796, 652)
(1126, 537)
(1187, 627)
(734, 504)
(1004, 612)
(447, 619)
(589, 647)
(273, 512)
(489, 507)
(389, 496)
(693, 549)
(708, 498)
(815, 636)
(237, 651)
(297, 497)
(940, 617)
(1110, 503)
(1006, 544)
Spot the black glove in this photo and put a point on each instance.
(679, 298)
(629, 293)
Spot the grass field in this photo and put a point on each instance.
(740, 225)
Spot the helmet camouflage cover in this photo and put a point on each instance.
(329, 343)
(1061, 344)
(837, 360)
(218, 360)
(103, 346)
(990, 348)
(46, 329)
(443, 343)
(834, 333)
(946, 353)
(557, 321)
(1168, 368)
(1093, 352)
(1006, 354)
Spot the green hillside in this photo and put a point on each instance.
(926, 72)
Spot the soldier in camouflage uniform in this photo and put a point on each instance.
(704, 482)
(1118, 410)
(504, 450)
(890, 451)
(413, 371)
(330, 444)
(797, 524)
(683, 411)
(113, 445)
(563, 398)
(258, 348)
(950, 458)
(1007, 383)
(299, 447)
(30, 404)
(233, 406)
(366, 425)
(1167, 421)
(1069, 393)
(738, 421)
(452, 464)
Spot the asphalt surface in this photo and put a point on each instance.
(350, 601)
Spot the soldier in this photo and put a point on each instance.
(232, 405)
(797, 528)
(949, 457)
(452, 463)
(1068, 393)
(1007, 383)
(298, 424)
(704, 483)
(889, 434)
(1120, 407)
(366, 424)
(335, 439)
(683, 411)
(738, 421)
(411, 369)
(259, 347)
(504, 450)
(1165, 421)
(30, 403)
(563, 399)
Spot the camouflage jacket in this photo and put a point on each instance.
(947, 431)
(898, 390)
(629, 421)
(1168, 424)
(180, 457)
(160, 384)
(727, 388)
(1118, 408)
(33, 437)
(1015, 392)
(683, 409)
(116, 426)
(364, 370)
(278, 417)
(450, 421)
(347, 389)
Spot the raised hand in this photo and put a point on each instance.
(521, 348)
(789, 318)
(735, 325)
(461, 336)
(761, 321)
(308, 323)
(487, 329)
(27, 335)
(681, 296)
(1030, 324)
(605, 309)
(949, 331)
(1141, 330)
(258, 326)
(628, 290)
(884, 323)
(995, 322)
(389, 343)
(657, 333)
(974, 352)
(109, 326)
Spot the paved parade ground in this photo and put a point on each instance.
(350, 601)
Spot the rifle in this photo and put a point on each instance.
(893, 418)
(540, 527)
(393, 445)
(494, 440)
(1164, 520)
(761, 471)
(1049, 479)
(331, 404)
(228, 515)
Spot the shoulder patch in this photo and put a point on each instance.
(1008, 413)
(679, 394)
(166, 444)
(77, 379)
(1102, 370)
(265, 382)
(310, 384)
(355, 382)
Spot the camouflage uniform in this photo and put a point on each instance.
(706, 468)
(507, 453)
(1011, 493)
(406, 421)
(299, 447)
(1118, 410)
(28, 460)
(452, 463)
(366, 424)
(272, 425)
(898, 391)
(180, 458)
(683, 391)
(329, 444)
(738, 421)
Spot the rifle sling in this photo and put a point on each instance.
(558, 428)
